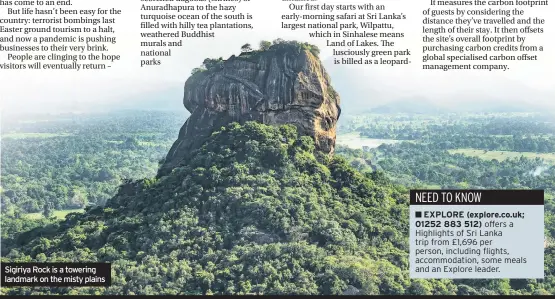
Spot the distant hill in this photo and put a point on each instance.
(416, 105)
(420, 105)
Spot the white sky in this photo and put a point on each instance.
(56, 90)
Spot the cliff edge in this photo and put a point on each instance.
(282, 83)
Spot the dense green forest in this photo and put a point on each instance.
(74, 161)
(256, 210)
(502, 132)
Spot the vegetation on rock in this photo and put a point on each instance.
(264, 46)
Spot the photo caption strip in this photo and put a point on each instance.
(477, 234)
(56, 274)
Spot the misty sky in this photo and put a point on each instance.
(70, 90)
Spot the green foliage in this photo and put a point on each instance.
(212, 64)
(504, 132)
(246, 48)
(292, 45)
(48, 210)
(198, 70)
(313, 49)
(86, 165)
(265, 45)
(247, 51)
(253, 212)
(256, 210)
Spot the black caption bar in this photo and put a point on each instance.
(476, 197)
(56, 275)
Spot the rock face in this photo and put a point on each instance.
(282, 85)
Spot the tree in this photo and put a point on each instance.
(198, 70)
(265, 45)
(315, 50)
(48, 211)
(246, 48)
(210, 63)
(79, 199)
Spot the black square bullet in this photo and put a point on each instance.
(418, 214)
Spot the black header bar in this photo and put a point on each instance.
(276, 296)
(476, 197)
